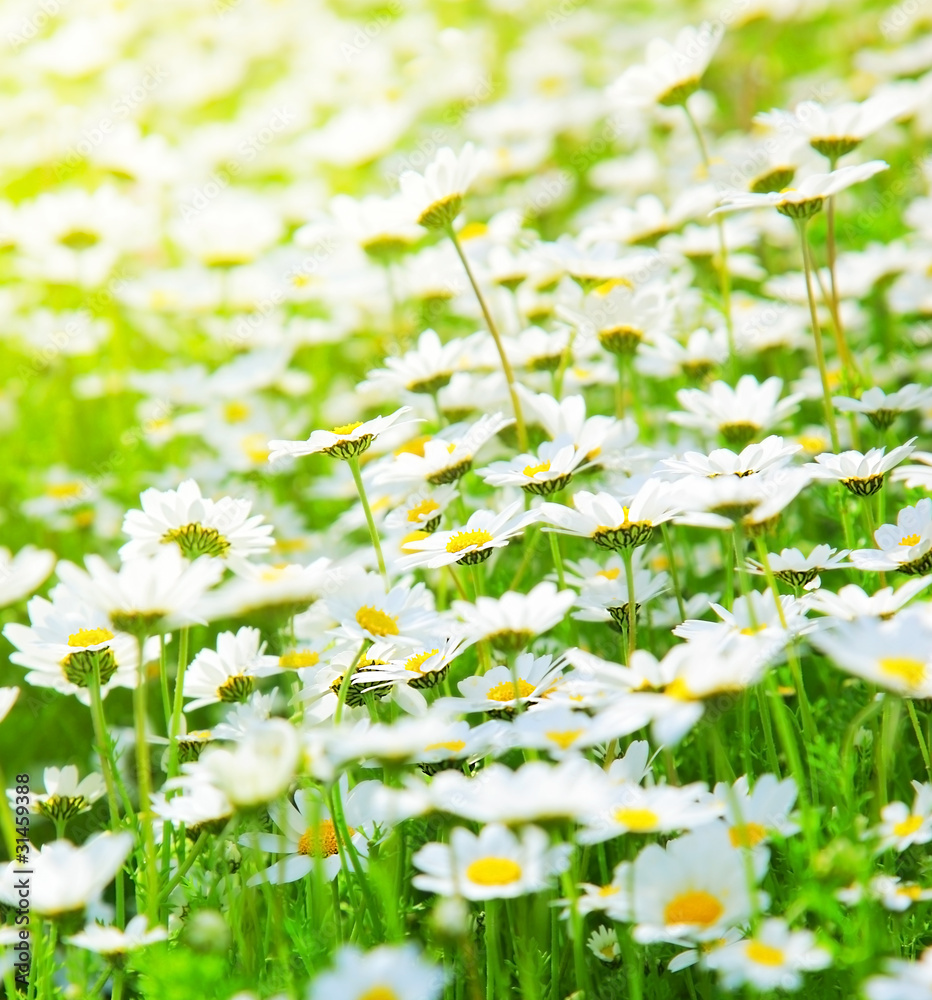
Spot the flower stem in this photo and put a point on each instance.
(628, 557)
(183, 641)
(367, 510)
(506, 364)
(144, 781)
(103, 744)
(817, 335)
(920, 739)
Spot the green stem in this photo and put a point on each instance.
(500, 347)
(557, 559)
(367, 510)
(345, 685)
(628, 557)
(175, 727)
(817, 336)
(104, 749)
(920, 739)
(185, 867)
(144, 781)
(674, 573)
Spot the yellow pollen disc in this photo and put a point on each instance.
(256, 447)
(298, 658)
(609, 890)
(906, 668)
(494, 871)
(413, 536)
(678, 688)
(748, 835)
(89, 636)
(235, 412)
(659, 563)
(753, 629)
(473, 229)
(812, 444)
(913, 892)
(611, 284)
(454, 746)
(531, 470)
(347, 428)
(427, 506)
(694, 907)
(377, 622)
(565, 738)
(609, 574)
(463, 539)
(380, 993)
(764, 954)
(414, 663)
(64, 491)
(414, 446)
(451, 447)
(321, 842)
(909, 825)
(506, 690)
(910, 539)
(637, 820)
(608, 951)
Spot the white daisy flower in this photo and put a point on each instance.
(754, 816)
(737, 414)
(892, 893)
(563, 731)
(364, 611)
(622, 319)
(773, 958)
(435, 197)
(862, 474)
(917, 476)
(901, 826)
(603, 943)
(8, 696)
(229, 673)
(851, 602)
(426, 368)
(308, 841)
(114, 941)
(421, 510)
(496, 864)
(903, 980)
(544, 473)
(484, 532)
(380, 226)
(670, 73)
(21, 574)
(389, 972)
(606, 599)
(882, 408)
(771, 453)
(347, 441)
(64, 796)
(494, 691)
(198, 526)
(661, 809)
(807, 198)
(792, 567)
(906, 546)
(511, 621)
(568, 417)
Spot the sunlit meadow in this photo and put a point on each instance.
(466, 499)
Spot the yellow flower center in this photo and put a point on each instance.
(494, 871)
(89, 636)
(413, 447)
(506, 690)
(909, 825)
(64, 491)
(377, 622)
(454, 746)
(463, 539)
(347, 428)
(747, 835)
(637, 820)
(531, 470)
(612, 283)
(609, 574)
(472, 230)
(298, 658)
(320, 842)
(678, 688)
(564, 738)
(413, 536)
(764, 954)
(414, 663)
(913, 892)
(905, 668)
(609, 890)
(256, 447)
(812, 444)
(235, 412)
(694, 907)
(380, 993)
(427, 506)
(753, 629)
(910, 540)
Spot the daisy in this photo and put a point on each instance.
(902, 826)
(607, 599)
(286, 588)
(851, 602)
(610, 523)
(755, 617)
(435, 198)
(773, 958)
(64, 796)
(426, 368)
(484, 532)
(562, 731)
(903, 980)
(891, 892)
(671, 73)
(882, 408)
(771, 453)
(544, 473)
(603, 943)
(496, 692)
(895, 654)
(667, 358)
(693, 889)
(906, 546)
(621, 319)
(112, 941)
(511, 621)
(309, 840)
(918, 476)
(198, 526)
(807, 198)
(792, 567)
(862, 474)
(752, 817)
(568, 417)
(229, 673)
(8, 696)
(496, 864)
(662, 809)
(380, 226)
(389, 972)
(347, 441)
(737, 414)
(21, 574)
(364, 611)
